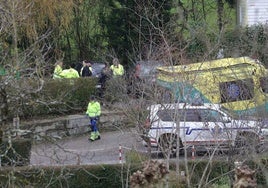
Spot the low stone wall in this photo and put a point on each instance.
(58, 128)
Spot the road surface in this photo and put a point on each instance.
(80, 151)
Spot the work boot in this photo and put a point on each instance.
(97, 135)
(92, 136)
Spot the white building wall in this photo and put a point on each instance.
(242, 12)
(251, 12)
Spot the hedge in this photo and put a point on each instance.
(99, 176)
(60, 96)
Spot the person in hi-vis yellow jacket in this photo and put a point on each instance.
(57, 70)
(94, 112)
(117, 68)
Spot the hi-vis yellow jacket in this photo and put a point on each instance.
(117, 71)
(57, 72)
(93, 109)
(69, 73)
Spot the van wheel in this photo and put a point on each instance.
(246, 142)
(168, 144)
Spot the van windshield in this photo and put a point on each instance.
(264, 84)
(229, 113)
(237, 116)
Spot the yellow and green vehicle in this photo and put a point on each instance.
(238, 84)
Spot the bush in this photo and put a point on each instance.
(16, 153)
(111, 175)
(250, 41)
(135, 158)
(72, 176)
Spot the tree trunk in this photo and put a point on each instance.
(220, 6)
(3, 110)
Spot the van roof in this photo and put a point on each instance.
(212, 65)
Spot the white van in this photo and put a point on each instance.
(206, 126)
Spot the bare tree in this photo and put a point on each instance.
(167, 49)
(24, 35)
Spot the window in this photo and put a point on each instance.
(264, 84)
(166, 115)
(190, 115)
(237, 90)
(208, 115)
(187, 115)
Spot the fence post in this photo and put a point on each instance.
(16, 125)
(193, 153)
(120, 154)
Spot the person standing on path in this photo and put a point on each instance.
(94, 112)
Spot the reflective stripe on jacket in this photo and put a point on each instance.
(86, 71)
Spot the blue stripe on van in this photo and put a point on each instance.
(189, 130)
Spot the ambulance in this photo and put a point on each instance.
(237, 84)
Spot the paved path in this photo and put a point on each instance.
(78, 150)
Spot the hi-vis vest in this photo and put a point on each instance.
(69, 73)
(93, 109)
(117, 71)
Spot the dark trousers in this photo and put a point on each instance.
(93, 124)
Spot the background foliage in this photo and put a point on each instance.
(74, 30)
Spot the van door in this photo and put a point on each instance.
(220, 130)
(192, 128)
(204, 127)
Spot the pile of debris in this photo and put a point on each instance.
(152, 174)
(245, 177)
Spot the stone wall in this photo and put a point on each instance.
(57, 128)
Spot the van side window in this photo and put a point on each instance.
(189, 115)
(166, 115)
(183, 115)
(237, 90)
(210, 116)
